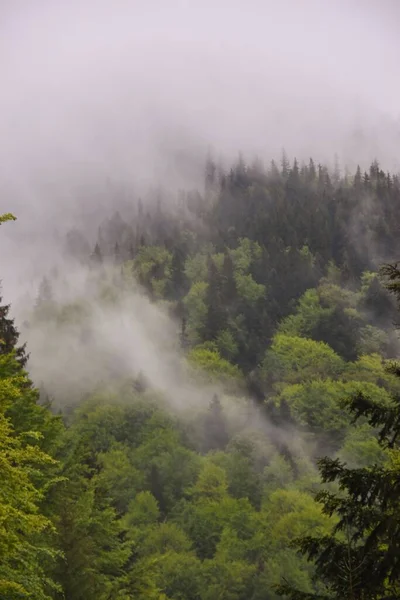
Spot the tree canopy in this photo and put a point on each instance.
(274, 469)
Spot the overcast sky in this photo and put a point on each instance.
(137, 90)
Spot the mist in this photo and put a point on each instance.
(134, 94)
(137, 91)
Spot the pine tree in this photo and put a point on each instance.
(273, 172)
(215, 430)
(178, 282)
(215, 308)
(228, 279)
(9, 336)
(336, 171)
(312, 171)
(183, 336)
(25, 532)
(117, 254)
(357, 179)
(379, 303)
(91, 537)
(45, 302)
(132, 252)
(97, 256)
(285, 164)
(210, 175)
(294, 173)
(27, 430)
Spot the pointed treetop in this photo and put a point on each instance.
(9, 336)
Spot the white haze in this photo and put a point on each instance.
(97, 93)
(122, 339)
(136, 91)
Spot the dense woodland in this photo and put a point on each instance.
(273, 279)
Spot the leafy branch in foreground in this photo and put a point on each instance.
(7, 217)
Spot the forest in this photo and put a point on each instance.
(265, 462)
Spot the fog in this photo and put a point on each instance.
(96, 93)
(138, 90)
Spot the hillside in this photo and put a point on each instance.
(186, 373)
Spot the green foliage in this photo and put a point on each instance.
(371, 368)
(96, 556)
(329, 314)
(292, 359)
(245, 255)
(272, 296)
(7, 217)
(195, 303)
(249, 290)
(117, 479)
(196, 268)
(227, 345)
(231, 580)
(361, 448)
(211, 363)
(153, 268)
(359, 559)
(318, 407)
(9, 336)
(27, 553)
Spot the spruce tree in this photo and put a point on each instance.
(97, 256)
(312, 173)
(27, 472)
(26, 552)
(117, 254)
(285, 164)
(178, 283)
(9, 336)
(215, 430)
(45, 305)
(215, 308)
(228, 279)
(210, 175)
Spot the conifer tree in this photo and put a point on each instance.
(117, 254)
(312, 171)
(9, 336)
(357, 179)
(210, 175)
(183, 336)
(274, 171)
(178, 278)
(336, 171)
(27, 555)
(215, 309)
(215, 430)
(228, 279)
(285, 164)
(97, 256)
(25, 532)
(44, 302)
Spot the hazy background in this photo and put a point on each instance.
(96, 93)
(137, 90)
